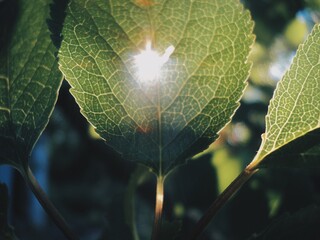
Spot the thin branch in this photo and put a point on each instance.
(230, 191)
(47, 204)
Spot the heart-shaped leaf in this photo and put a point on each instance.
(293, 119)
(29, 78)
(157, 79)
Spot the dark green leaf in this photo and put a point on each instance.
(302, 152)
(303, 224)
(29, 80)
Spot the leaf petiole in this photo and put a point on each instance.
(158, 208)
(221, 200)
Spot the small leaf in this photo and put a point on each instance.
(294, 111)
(173, 105)
(29, 79)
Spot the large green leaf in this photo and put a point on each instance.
(293, 119)
(159, 123)
(29, 79)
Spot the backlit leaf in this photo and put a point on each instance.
(294, 111)
(301, 152)
(159, 115)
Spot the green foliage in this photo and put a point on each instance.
(29, 81)
(159, 124)
(294, 110)
(303, 224)
(166, 120)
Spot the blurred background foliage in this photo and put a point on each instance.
(99, 194)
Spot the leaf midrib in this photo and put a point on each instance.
(158, 105)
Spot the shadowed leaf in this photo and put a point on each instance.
(301, 152)
(29, 80)
(303, 224)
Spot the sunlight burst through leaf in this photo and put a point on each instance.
(148, 63)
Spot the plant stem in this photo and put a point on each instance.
(47, 204)
(139, 175)
(158, 209)
(243, 177)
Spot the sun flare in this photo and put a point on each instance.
(148, 63)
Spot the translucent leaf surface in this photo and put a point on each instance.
(301, 152)
(157, 115)
(29, 78)
(294, 111)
